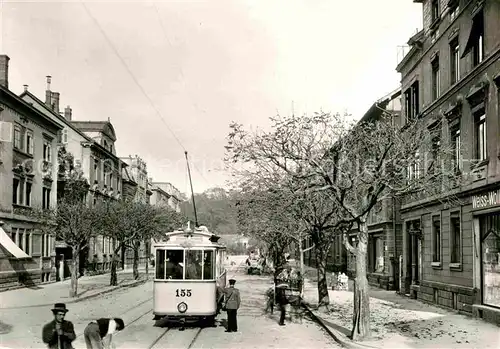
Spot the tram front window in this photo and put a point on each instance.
(208, 265)
(174, 264)
(160, 265)
(193, 265)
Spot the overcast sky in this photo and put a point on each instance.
(202, 64)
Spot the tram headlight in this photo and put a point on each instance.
(182, 307)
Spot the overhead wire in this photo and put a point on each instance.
(124, 63)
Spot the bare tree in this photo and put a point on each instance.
(358, 166)
(129, 223)
(73, 221)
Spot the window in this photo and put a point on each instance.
(377, 254)
(15, 191)
(414, 168)
(18, 143)
(436, 158)
(475, 42)
(435, 10)
(174, 264)
(27, 241)
(455, 143)
(193, 264)
(45, 198)
(455, 238)
(436, 239)
(478, 43)
(436, 81)
(208, 265)
(47, 151)
(454, 61)
(28, 194)
(29, 142)
(480, 133)
(412, 101)
(454, 11)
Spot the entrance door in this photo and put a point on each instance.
(490, 259)
(414, 253)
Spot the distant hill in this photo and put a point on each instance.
(215, 209)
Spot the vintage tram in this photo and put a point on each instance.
(190, 276)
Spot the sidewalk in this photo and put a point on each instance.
(88, 287)
(400, 322)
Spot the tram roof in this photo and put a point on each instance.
(200, 236)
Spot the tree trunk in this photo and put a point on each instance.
(361, 314)
(323, 296)
(302, 270)
(123, 250)
(148, 257)
(135, 267)
(73, 291)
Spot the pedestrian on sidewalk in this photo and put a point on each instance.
(59, 333)
(232, 304)
(282, 301)
(99, 333)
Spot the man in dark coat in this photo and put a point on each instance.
(99, 333)
(232, 304)
(59, 333)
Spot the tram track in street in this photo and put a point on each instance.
(194, 338)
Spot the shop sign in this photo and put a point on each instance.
(489, 199)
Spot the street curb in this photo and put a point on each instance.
(336, 335)
(71, 301)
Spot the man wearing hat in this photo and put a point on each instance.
(59, 333)
(232, 303)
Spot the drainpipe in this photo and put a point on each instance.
(396, 256)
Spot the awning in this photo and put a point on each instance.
(10, 246)
(475, 32)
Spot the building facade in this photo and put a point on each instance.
(28, 178)
(451, 77)
(91, 143)
(165, 194)
(136, 187)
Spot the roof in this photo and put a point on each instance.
(377, 108)
(96, 126)
(43, 105)
(18, 99)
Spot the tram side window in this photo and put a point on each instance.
(193, 264)
(174, 264)
(208, 265)
(160, 265)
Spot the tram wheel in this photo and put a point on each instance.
(210, 321)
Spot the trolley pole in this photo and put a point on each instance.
(192, 193)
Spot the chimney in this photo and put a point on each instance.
(55, 102)
(67, 113)
(25, 88)
(48, 94)
(4, 71)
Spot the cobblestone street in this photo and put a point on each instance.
(134, 305)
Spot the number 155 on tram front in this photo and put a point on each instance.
(190, 276)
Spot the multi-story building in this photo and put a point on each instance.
(165, 194)
(91, 143)
(451, 77)
(384, 227)
(28, 177)
(137, 187)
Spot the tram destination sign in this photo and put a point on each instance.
(485, 200)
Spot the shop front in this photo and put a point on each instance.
(486, 211)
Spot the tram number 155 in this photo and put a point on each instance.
(183, 293)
